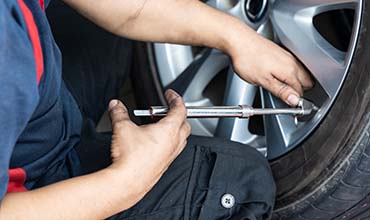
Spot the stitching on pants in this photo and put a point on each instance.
(191, 183)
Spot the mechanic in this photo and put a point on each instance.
(156, 171)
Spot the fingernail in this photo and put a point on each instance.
(174, 92)
(173, 101)
(113, 103)
(293, 99)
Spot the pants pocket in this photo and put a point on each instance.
(233, 185)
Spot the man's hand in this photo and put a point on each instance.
(148, 150)
(140, 157)
(260, 61)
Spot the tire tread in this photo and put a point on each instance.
(342, 197)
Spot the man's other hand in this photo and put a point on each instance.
(148, 150)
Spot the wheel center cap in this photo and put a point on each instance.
(256, 9)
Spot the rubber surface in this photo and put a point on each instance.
(333, 166)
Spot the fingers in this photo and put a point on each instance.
(289, 77)
(304, 77)
(283, 91)
(184, 133)
(290, 80)
(175, 121)
(117, 112)
(177, 113)
(185, 130)
(295, 69)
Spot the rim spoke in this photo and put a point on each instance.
(293, 24)
(278, 128)
(212, 3)
(234, 8)
(170, 65)
(265, 30)
(313, 7)
(237, 92)
(237, 11)
(211, 63)
(224, 5)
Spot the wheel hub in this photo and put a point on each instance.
(256, 9)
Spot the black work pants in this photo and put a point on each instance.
(211, 179)
(198, 183)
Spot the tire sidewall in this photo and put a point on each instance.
(326, 150)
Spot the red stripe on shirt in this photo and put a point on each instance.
(17, 178)
(42, 4)
(35, 39)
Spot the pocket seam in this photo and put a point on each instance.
(191, 183)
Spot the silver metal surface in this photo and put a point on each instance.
(259, 13)
(200, 112)
(290, 23)
(241, 111)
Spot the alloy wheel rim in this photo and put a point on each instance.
(290, 23)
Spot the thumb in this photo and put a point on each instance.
(283, 91)
(117, 112)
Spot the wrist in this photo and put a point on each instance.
(133, 176)
(239, 37)
(127, 184)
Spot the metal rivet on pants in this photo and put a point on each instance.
(227, 201)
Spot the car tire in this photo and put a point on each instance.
(328, 175)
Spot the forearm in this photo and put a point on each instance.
(95, 196)
(181, 21)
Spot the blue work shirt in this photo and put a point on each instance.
(40, 122)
